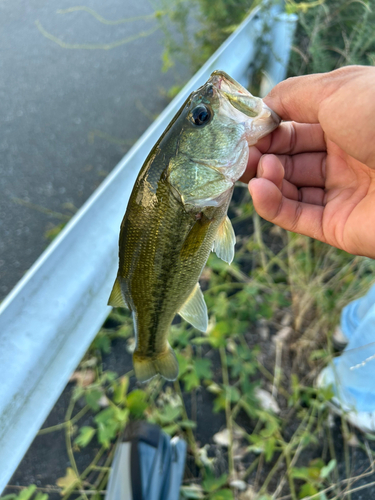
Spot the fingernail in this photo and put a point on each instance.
(260, 167)
(251, 186)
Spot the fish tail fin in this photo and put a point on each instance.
(165, 364)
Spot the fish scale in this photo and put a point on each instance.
(155, 293)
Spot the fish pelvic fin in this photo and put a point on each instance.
(165, 364)
(225, 241)
(194, 311)
(116, 298)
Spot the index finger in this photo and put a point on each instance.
(292, 138)
(297, 98)
(300, 98)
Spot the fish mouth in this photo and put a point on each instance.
(263, 118)
(220, 79)
(269, 116)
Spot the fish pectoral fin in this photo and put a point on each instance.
(194, 311)
(225, 241)
(165, 364)
(195, 238)
(116, 298)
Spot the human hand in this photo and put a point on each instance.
(317, 173)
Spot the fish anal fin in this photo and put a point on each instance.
(165, 364)
(116, 298)
(225, 241)
(194, 311)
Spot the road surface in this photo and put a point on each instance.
(67, 113)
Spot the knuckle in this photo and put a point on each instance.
(288, 167)
(297, 216)
(323, 166)
(292, 137)
(278, 211)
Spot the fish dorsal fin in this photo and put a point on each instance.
(225, 241)
(194, 311)
(116, 299)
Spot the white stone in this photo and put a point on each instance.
(266, 400)
(222, 438)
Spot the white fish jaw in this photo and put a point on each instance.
(260, 126)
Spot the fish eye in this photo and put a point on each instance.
(200, 115)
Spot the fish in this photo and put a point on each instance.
(177, 215)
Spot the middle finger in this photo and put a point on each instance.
(293, 138)
(302, 170)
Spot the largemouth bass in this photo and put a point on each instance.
(177, 215)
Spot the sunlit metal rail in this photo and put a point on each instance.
(50, 318)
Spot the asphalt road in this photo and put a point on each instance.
(67, 113)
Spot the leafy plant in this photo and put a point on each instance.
(213, 22)
(28, 493)
(315, 477)
(331, 34)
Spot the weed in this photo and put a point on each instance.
(29, 493)
(266, 444)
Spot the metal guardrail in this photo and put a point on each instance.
(50, 318)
